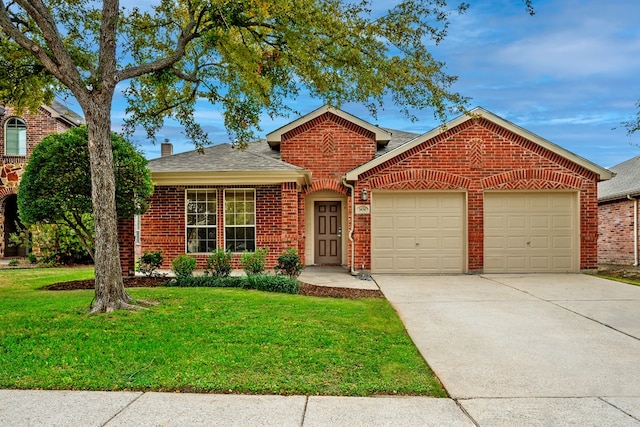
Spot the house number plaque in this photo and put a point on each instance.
(362, 210)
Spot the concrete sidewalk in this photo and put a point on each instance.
(111, 409)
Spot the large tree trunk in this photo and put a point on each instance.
(110, 292)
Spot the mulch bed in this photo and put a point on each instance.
(149, 282)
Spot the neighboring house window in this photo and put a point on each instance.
(137, 226)
(240, 220)
(15, 137)
(201, 221)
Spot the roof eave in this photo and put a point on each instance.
(301, 177)
(635, 194)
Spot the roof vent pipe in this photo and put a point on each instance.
(635, 230)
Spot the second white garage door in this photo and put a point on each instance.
(417, 232)
(531, 232)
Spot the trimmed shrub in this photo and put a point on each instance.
(253, 262)
(32, 258)
(207, 282)
(289, 264)
(183, 265)
(273, 284)
(150, 262)
(219, 264)
(258, 282)
(53, 244)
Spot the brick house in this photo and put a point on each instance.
(20, 134)
(478, 195)
(618, 215)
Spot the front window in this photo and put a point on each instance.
(240, 220)
(201, 221)
(15, 137)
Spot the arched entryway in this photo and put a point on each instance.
(11, 223)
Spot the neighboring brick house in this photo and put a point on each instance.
(618, 215)
(20, 134)
(478, 195)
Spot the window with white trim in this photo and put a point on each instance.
(240, 220)
(15, 137)
(201, 208)
(137, 226)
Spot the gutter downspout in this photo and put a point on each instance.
(353, 221)
(635, 229)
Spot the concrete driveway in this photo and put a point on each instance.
(527, 340)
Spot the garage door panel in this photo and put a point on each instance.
(562, 221)
(383, 243)
(515, 222)
(451, 223)
(531, 232)
(540, 221)
(540, 242)
(516, 242)
(427, 232)
(562, 242)
(405, 222)
(539, 263)
(405, 243)
(562, 262)
(383, 222)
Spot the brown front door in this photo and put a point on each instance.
(328, 233)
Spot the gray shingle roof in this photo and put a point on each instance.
(398, 138)
(625, 182)
(219, 158)
(67, 114)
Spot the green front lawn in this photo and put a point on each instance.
(204, 340)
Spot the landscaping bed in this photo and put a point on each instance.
(150, 282)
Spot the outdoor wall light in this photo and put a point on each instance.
(365, 194)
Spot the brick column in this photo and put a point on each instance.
(289, 216)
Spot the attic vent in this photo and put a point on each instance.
(328, 143)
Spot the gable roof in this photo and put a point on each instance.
(626, 181)
(224, 164)
(602, 173)
(381, 136)
(59, 111)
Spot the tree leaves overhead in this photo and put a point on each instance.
(251, 56)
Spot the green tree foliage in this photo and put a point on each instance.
(244, 56)
(56, 184)
(633, 125)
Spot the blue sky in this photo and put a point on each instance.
(570, 74)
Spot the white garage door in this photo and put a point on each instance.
(531, 232)
(417, 232)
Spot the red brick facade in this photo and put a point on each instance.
(615, 238)
(163, 226)
(474, 156)
(477, 156)
(11, 167)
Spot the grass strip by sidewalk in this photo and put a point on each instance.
(204, 340)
